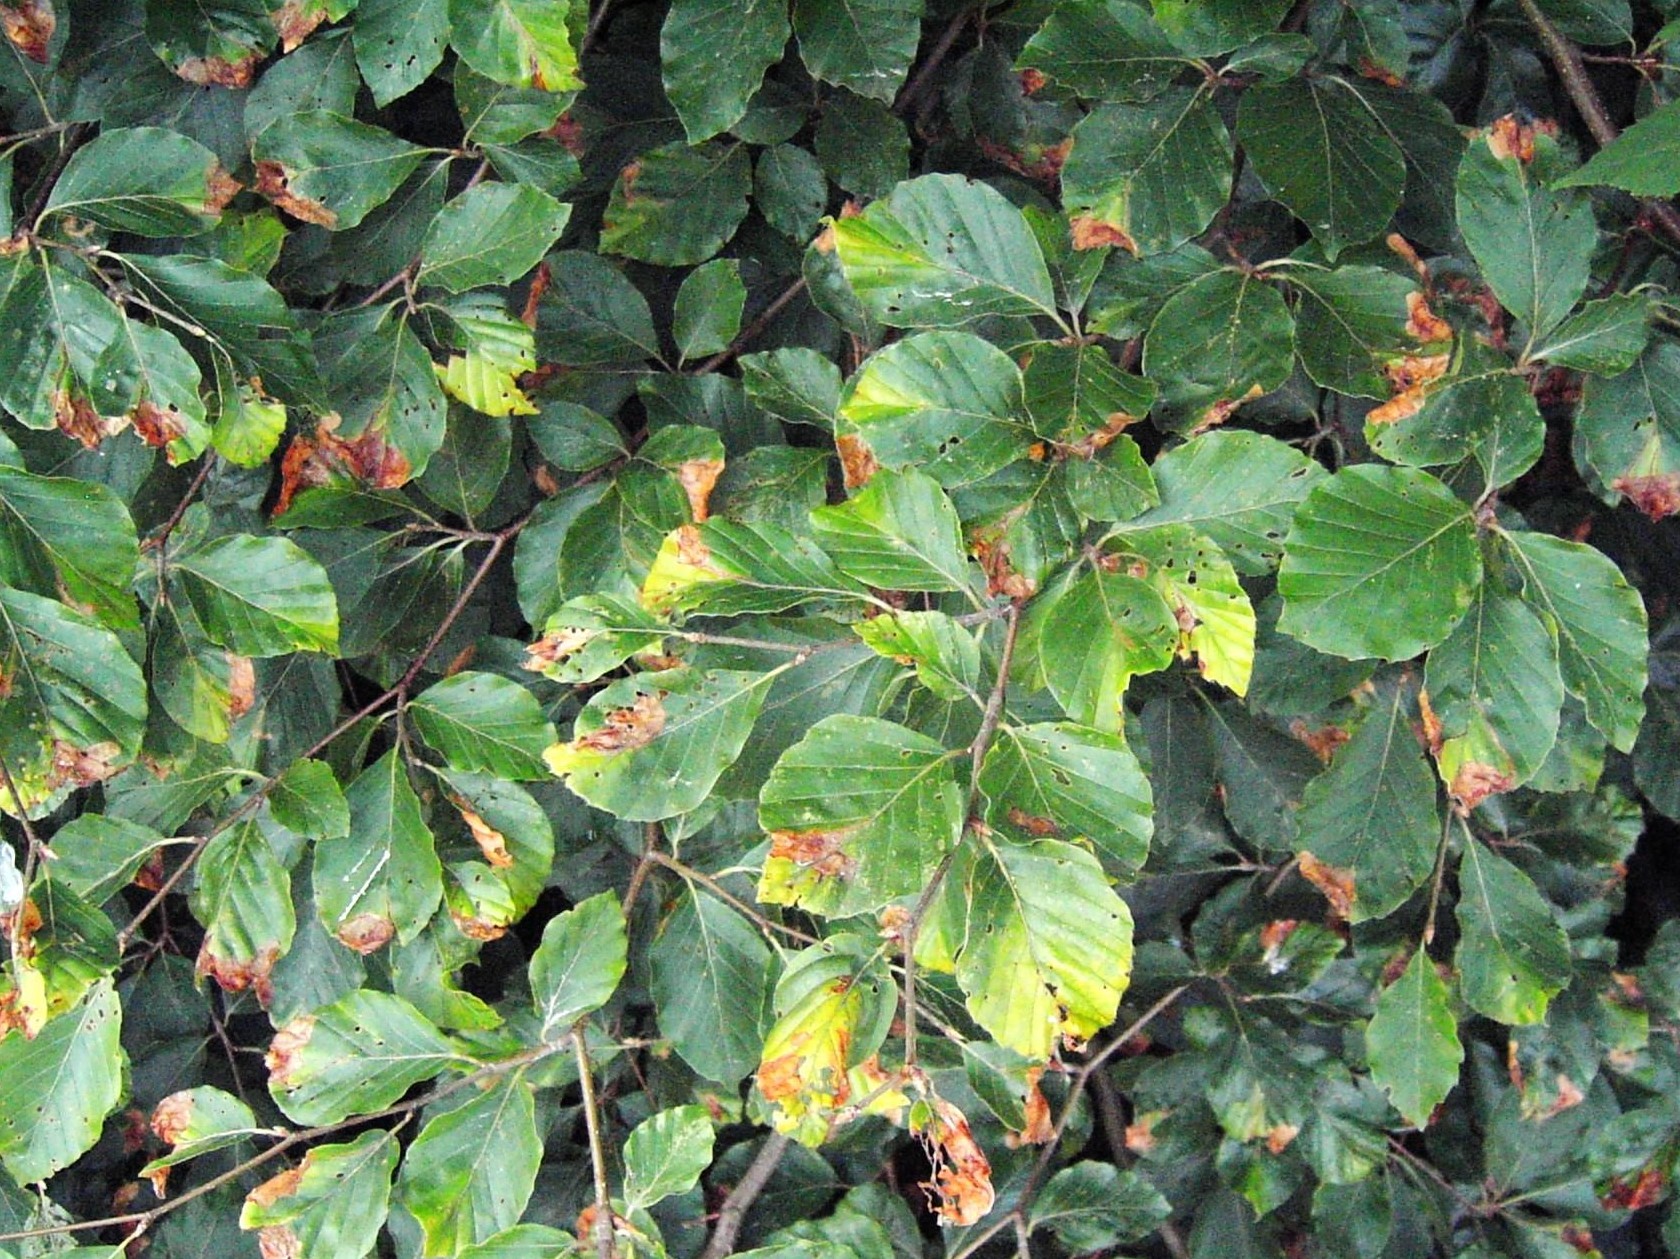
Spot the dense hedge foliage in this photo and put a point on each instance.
(852, 629)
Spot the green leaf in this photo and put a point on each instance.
(326, 169)
(1147, 177)
(790, 190)
(863, 147)
(305, 798)
(1513, 957)
(708, 309)
(356, 1055)
(199, 1121)
(942, 251)
(523, 1241)
(333, 1203)
(1104, 51)
(490, 234)
(1205, 27)
(97, 855)
(1372, 814)
(899, 533)
(710, 980)
(665, 1154)
(1077, 397)
(864, 45)
(259, 596)
(1412, 1041)
(1218, 342)
(470, 1172)
(484, 723)
(1049, 945)
(1605, 337)
(69, 538)
(74, 707)
(579, 963)
(523, 43)
(945, 403)
(1599, 621)
(652, 746)
(1627, 431)
(382, 878)
(1093, 637)
(714, 54)
(677, 205)
(1092, 1206)
(1483, 410)
(1071, 782)
(859, 812)
(386, 389)
(1643, 160)
(1318, 148)
(1380, 562)
(1238, 488)
(398, 44)
(59, 1087)
(1496, 689)
(1534, 246)
(591, 314)
(243, 899)
(143, 180)
(796, 385)
(1214, 617)
(946, 656)
(1350, 324)
(217, 43)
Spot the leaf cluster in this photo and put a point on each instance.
(849, 629)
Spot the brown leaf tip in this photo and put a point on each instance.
(273, 182)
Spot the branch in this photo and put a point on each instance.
(765, 317)
(1566, 60)
(735, 1207)
(977, 755)
(605, 1247)
(907, 100)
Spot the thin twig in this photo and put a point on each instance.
(596, 21)
(1566, 60)
(605, 1247)
(907, 100)
(1436, 879)
(766, 925)
(977, 755)
(751, 331)
(160, 539)
(733, 1213)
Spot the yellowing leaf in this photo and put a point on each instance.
(483, 385)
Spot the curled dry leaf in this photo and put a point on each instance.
(237, 72)
(1511, 136)
(171, 1117)
(1423, 324)
(1038, 827)
(1038, 1129)
(556, 645)
(1279, 1138)
(697, 477)
(278, 1241)
(821, 851)
(857, 461)
(286, 1047)
(962, 1175)
(1475, 781)
(1322, 741)
(296, 21)
(1090, 232)
(81, 767)
(272, 183)
(29, 26)
(1336, 883)
(1411, 377)
(367, 933)
(625, 729)
(1223, 410)
(157, 426)
(242, 685)
(491, 842)
(237, 976)
(76, 418)
(310, 462)
(1657, 496)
